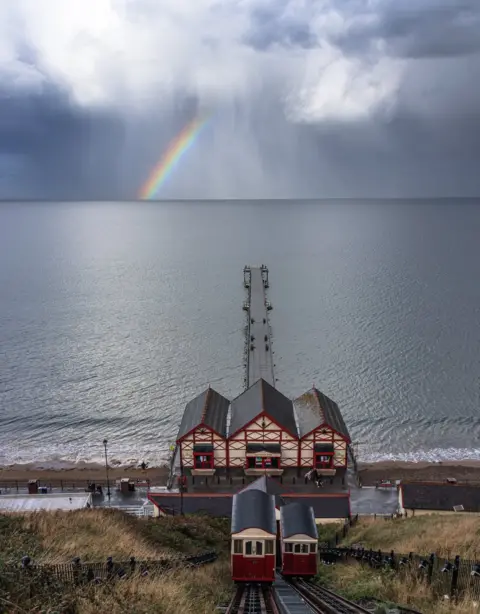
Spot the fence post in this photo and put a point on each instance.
(431, 561)
(456, 569)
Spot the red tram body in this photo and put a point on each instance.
(254, 534)
(299, 540)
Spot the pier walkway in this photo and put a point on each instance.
(258, 352)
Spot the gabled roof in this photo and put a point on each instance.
(315, 409)
(269, 486)
(298, 519)
(324, 506)
(260, 398)
(440, 496)
(253, 509)
(209, 408)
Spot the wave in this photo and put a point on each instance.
(421, 456)
(46, 459)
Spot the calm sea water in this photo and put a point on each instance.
(113, 315)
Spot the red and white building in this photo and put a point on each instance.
(323, 435)
(263, 436)
(202, 437)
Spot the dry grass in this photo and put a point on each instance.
(95, 534)
(186, 592)
(358, 582)
(90, 534)
(447, 536)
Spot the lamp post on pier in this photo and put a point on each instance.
(106, 467)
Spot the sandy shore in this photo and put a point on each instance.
(468, 470)
(369, 472)
(82, 472)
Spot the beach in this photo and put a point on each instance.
(467, 470)
(79, 474)
(370, 473)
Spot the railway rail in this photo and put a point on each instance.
(253, 599)
(258, 599)
(323, 601)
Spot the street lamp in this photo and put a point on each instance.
(106, 467)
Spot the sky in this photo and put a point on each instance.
(306, 99)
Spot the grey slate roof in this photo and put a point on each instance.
(220, 507)
(297, 518)
(314, 409)
(259, 398)
(270, 486)
(253, 509)
(209, 408)
(324, 506)
(441, 497)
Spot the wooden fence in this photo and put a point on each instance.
(456, 577)
(81, 573)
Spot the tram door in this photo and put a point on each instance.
(254, 559)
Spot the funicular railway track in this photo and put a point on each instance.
(258, 599)
(323, 601)
(253, 599)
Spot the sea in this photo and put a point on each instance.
(113, 315)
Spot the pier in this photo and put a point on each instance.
(258, 350)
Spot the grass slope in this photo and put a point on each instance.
(95, 534)
(447, 536)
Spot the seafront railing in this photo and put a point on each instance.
(18, 486)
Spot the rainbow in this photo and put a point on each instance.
(175, 150)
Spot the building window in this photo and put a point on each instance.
(203, 460)
(237, 546)
(269, 547)
(323, 461)
(260, 462)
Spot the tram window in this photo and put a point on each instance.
(237, 546)
(254, 548)
(313, 547)
(269, 547)
(288, 547)
(301, 548)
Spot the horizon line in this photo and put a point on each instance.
(213, 200)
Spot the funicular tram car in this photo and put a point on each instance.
(253, 533)
(299, 540)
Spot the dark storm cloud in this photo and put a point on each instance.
(53, 146)
(270, 25)
(65, 152)
(423, 29)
